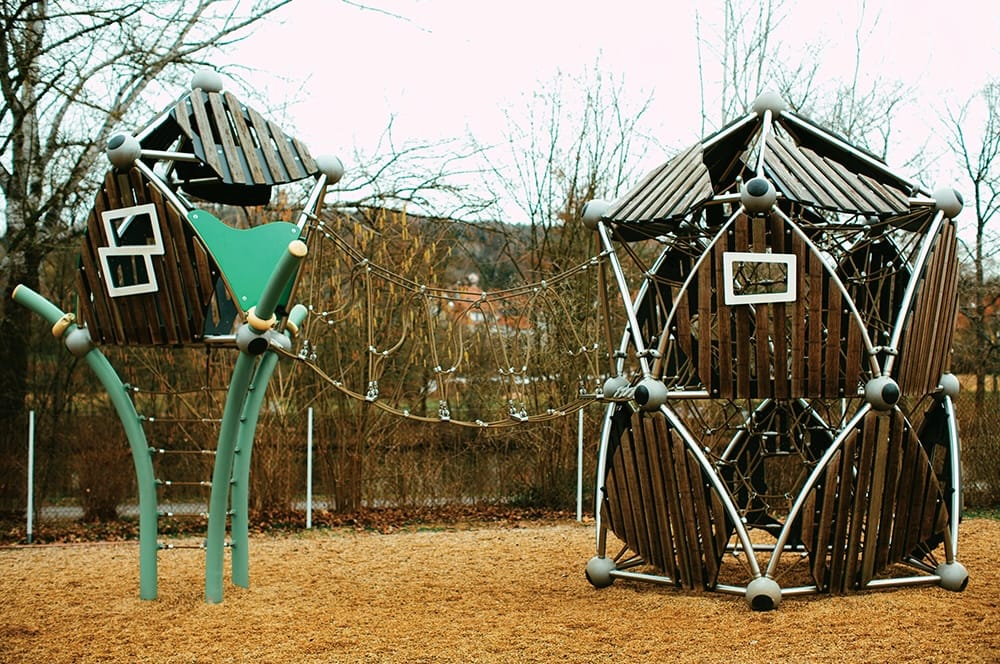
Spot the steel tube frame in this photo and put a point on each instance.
(131, 422)
(240, 387)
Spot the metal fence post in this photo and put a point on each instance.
(309, 469)
(31, 474)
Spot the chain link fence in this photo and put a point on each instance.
(86, 474)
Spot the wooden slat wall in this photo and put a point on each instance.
(175, 314)
(807, 348)
(659, 503)
(926, 345)
(877, 501)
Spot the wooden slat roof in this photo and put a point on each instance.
(241, 154)
(806, 164)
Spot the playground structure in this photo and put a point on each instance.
(156, 271)
(783, 370)
(788, 414)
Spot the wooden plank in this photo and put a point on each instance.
(842, 518)
(909, 496)
(834, 378)
(762, 313)
(612, 498)
(656, 430)
(876, 202)
(101, 322)
(705, 327)
(741, 234)
(724, 321)
(682, 318)
(627, 450)
(847, 187)
(645, 508)
(780, 319)
(149, 302)
(824, 528)
(293, 167)
(247, 142)
(267, 147)
(852, 356)
(882, 513)
(620, 462)
(703, 520)
(803, 172)
(866, 459)
(898, 438)
(672, 474)
(205, 133)
(815, 327)
(798, 357)
(685, 493)
(875, 436)
(645, 201)
(225, 138)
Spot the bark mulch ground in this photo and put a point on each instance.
(512, 591)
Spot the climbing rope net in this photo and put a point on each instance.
(458, 354)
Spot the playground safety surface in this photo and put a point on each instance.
(513, 592)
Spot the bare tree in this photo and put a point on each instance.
(71, 73)
(979, 161)
(753, 61)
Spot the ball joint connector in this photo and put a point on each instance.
(882, 393)
(253, 342)
(593, 212)
(123, 150)
(650, 394)
(758, 195)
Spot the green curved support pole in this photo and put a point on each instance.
(118, 393)
(240, 519)
(238, 406)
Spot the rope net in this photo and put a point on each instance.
(452, 353)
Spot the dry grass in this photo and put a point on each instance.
(483, 594)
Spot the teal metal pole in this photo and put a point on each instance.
(241, 470)
(235, 410)
(240, 519)
(219, 500)
(78, 341)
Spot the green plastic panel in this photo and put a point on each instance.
(246, 257)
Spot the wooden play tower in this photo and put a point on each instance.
(157, 271)
(782, 419)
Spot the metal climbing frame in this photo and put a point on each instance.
(156, 271)
(781, 421)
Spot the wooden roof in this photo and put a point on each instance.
(807, 165)
(239, 153)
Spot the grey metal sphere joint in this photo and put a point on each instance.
(330, 166)
(593, 212)
(948, 200)
(207, 79)
(882, 393)
(758, 195)
(650, 394)
(763, 594)
(953, 576)
(949, 385)
(123, 150)
(599, 570)
(250, 341)
(769, 101)
(613, 386)
(78, 341)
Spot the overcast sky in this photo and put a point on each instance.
(445, 68)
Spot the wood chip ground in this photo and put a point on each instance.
(481, 593)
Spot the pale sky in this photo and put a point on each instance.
(447, 67)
